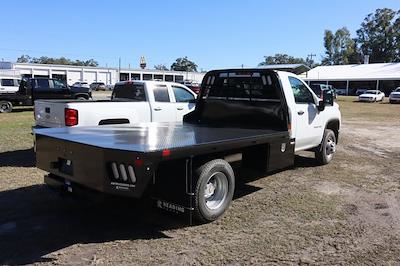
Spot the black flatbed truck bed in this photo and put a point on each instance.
(163, 156)
(186, 167)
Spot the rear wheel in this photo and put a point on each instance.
(327, 148)
(81, 98)
(214, 190)
(5, 107)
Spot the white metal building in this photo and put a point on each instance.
(385, 76)
(72, 74)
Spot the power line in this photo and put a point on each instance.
(53, 53)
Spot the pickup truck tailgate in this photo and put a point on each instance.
(50, 113)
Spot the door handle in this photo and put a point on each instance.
(157, 109)
(179, 108)
(300, 112)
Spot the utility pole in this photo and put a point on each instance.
(311, 56)
(119, 69)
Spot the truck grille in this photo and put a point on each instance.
(123, 173)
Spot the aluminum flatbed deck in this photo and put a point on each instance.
(156, 137)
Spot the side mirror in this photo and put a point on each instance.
(327, 97)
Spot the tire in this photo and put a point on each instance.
(214, 187)
(5, 107)
(81, 98)
(327, 148)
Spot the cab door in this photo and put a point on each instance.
(162, 109)
(309, 128)
(184, 101)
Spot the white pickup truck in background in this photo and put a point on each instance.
(131, 102)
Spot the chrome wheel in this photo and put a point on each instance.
(216, 190)
(5, 107)
(330, 148)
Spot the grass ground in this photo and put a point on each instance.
(347, 212)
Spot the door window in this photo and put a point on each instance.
(58, 84)
(300, 91)
(161, 94)
(182, 95)
(42, 84)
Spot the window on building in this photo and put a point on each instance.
(59, 76)
(147, 76)
(179, 79)
(300, 91)
(135, 76)
(42, 76)
(387, 86)
(169, 78)
(158, 77)
(361, 86)
(161, 93)
(182, 95)
(123, 76)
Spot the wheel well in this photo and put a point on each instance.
(81, 95)
(334, 125)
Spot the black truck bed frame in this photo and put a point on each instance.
(163, 156)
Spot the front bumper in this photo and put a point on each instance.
(367, 99)
(397, 100)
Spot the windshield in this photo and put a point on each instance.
(129, 91)
(371, 92)
(397, 90)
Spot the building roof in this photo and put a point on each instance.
(355, 72)
(294, 68)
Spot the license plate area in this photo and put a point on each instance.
(65, 166)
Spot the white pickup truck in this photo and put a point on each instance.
(131, 102)
(258, 118)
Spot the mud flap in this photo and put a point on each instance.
(173, 188)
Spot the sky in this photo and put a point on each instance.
(213, 34)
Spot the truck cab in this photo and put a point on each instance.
(41, 88)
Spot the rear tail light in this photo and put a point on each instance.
(71, 117)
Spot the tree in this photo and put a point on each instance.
(278, 59)
(24, 59)
(56, 61)
(184, 64)
(340, 48)
(379, 36)
(160, 67)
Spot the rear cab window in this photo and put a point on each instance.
(129, 91)
(247, 86)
